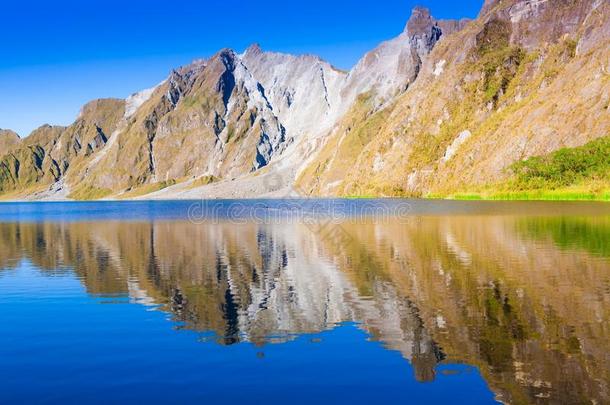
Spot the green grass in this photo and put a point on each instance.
(499, 68)
(147, 189)
(534, 195)
(203, 181)
(88, 193)
(569, 174)
(565, 167)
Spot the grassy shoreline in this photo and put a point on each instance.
(568, 174)
(553, 195)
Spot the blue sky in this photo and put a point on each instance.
(57, 55)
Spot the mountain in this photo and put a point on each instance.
(44, 158)
(445, 107)
(526, 78)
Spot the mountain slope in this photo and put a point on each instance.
(49, 153)
(8, 140)
(526, 78)
(209, 118)
(445, 107)
(27, 165)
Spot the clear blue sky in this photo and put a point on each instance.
(57, 55)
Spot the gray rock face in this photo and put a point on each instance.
(597, 28)
(309, 97)
(395, 64)
(449, 27)
(302, 90)
(221, 123)
(536, 22)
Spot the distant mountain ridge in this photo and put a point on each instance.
(437, 109)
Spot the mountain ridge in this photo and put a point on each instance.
(267, 123)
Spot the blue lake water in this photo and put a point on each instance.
(324, 301)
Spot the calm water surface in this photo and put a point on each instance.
(315, 302)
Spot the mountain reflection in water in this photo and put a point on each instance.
(524, 299)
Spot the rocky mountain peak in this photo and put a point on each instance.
(423, 31)
(8, 140)
(100, 110)
(423, 25)
(8, 134)
(253, 50)
(228, 58)
(420, 23)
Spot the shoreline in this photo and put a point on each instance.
(458, 197)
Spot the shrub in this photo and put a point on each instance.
(565, 167)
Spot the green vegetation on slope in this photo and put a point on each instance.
(565, 167)
(86, 192)
(335, 163)
(26, 168)
(147, 189)
(203, 181)
(581, 173)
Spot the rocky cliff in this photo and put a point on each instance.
(524, 79)
(443, 107)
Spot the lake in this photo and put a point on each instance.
(305, 301)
